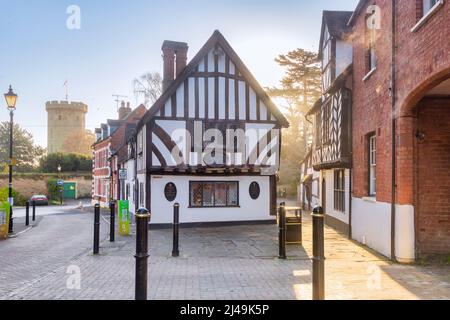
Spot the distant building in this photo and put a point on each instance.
(110, 138)
(64, 119)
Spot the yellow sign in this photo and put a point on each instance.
(4, 219)
(124, 218)
(13, 162)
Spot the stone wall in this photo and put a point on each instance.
(32, 184)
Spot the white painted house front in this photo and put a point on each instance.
(211, 142)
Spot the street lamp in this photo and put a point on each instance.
(11, 99)
(60, 187)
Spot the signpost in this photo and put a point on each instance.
(4, 219)
(60, 184)
(124, 218)
(123, 174)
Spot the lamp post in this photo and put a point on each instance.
(11, 99)
(60, 187)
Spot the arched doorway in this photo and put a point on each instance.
(433, 171)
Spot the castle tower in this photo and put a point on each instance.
(64, 119)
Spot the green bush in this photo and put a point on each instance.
(19, 200)
(69, 163)
(53, 189)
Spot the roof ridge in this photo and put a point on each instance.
(216, 37)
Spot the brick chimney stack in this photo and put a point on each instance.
(175, 60)
(124, 110)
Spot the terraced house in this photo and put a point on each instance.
(382, 138)
(110, 138)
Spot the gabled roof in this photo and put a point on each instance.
(126, 121)
(336, 22)
(357, 11)
(216, 38)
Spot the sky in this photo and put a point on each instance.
(119, 40)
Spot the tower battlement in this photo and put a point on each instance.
(75, 106)
(66, 120)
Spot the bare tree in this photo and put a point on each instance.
(149, 87)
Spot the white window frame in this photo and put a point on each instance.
(428, 11)
(372, 165)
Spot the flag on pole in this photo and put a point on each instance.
(66, 85)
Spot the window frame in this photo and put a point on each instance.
(428, 5)
(214, 183)
(327, 122)
(421, 20)
(339, 190)
(372, 165)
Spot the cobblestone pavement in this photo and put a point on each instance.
(238, 262)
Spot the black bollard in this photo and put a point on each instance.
(141, 281)
(318, 254)
(27, 214)
(176, 229)
(34, 210)
(112, 220)
(96, 228)
(282, 231)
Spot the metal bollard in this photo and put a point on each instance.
(282, 231)
(176, 229)
(112, 220)
(34, 210)
(141, 282)
(27, 214)
(318, 254)
(96, 228)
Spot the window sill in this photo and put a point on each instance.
(426, 17)
(370, 199)
(369, 74)
(224, 207)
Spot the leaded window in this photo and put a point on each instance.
(204, 194)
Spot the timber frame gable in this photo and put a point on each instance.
(214, 91)
(216, 41)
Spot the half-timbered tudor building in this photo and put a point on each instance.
(331, 115)
(211, 142)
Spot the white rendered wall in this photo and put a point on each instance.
(129, 165)
(329, 177)
(371, 225)
(249, 210)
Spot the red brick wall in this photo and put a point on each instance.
(372, 105)
(433, 183)
(423, 57)
(422, 61)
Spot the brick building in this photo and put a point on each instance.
(110, 138)
(400, 127)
